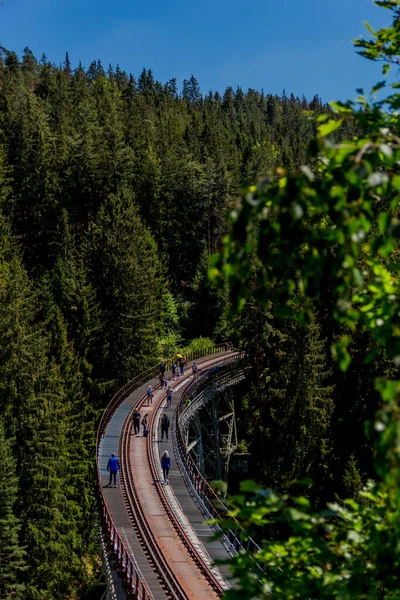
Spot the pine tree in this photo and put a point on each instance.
(20, 344)
(80, 420)
(263, 159)
(298, 406)
(12, 555)
(49, 515)
(29, 66)
(191, 90)
(126, 273)
(352, 480)
(146, 84)
(68, 286)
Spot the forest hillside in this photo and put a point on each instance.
(136, 217)
(113, 195)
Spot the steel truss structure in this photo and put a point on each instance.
(208, 423)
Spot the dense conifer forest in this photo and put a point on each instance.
(114, 192)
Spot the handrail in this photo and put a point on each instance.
(133, 579)
(142, 378)
(204, 485)
(182, 533)
(205, 492)
(111, 593)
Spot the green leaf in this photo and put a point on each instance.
(341, 354)
(368, 26)
(303, 502)
(329, 127)
(383, 221)
(341, 107)
(248, 485)
(370, 356)
(378, 86)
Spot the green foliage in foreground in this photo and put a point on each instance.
(337, 219)
(346, 551)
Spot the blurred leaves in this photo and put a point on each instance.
(335, 218)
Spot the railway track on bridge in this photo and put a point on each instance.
(181, 571)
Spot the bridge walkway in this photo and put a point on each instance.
(184, 495)
(172, 547)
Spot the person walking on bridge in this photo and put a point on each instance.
(170, 393)
(150, 395)
(144, 423)
(164, 426)
(136, 421)
(113, 466)
(166, 465)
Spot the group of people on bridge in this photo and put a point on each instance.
(178, 369)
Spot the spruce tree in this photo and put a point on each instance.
(191, 90)
(48, 512)
(126, 274)
(80, 420)
(298, 406)
(12, 554)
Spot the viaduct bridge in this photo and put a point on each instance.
(154, 539)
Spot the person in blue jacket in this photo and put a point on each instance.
(113, 466)
(166, 465)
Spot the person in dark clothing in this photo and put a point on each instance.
(136, 421)
(113, 466)
(170, 393)
(144, 423)
(162, 369)
(166, 465)
(173, 369)
(164, 426)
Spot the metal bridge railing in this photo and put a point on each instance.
(213, 506)
(110, 593)
(124, 563)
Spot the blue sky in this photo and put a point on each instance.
(303, 46)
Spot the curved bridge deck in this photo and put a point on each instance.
(157, 504)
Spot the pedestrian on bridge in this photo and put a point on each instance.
(136, 421)
(181, 367)
(144, 423)
(166, 465)
(113, 466)
(173, 369)
(162, 368)
(150, 395)
(164, 426)
(170, 393)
